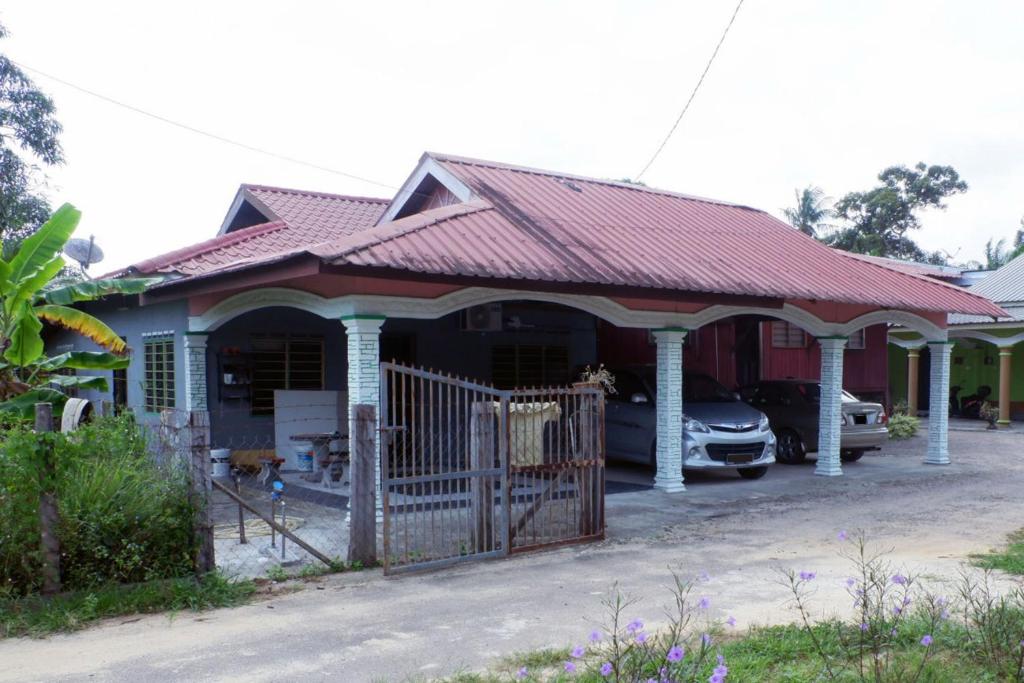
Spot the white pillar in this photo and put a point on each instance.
(938, 404)
(363, 332)
(669, 453)
(830, 411)
(195, 371)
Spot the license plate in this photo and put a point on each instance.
(738, 459)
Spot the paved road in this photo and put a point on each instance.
(362, 627)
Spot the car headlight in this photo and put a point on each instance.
(763, 424)
(693, 425)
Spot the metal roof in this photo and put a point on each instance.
(545, 226)
(1005, 287)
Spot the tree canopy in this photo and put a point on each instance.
(878, 221)
(810, 212)
(29, 133)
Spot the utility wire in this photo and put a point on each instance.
(193, 129)
(693, 94)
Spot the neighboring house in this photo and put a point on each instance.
(987, 353)
(509, 275)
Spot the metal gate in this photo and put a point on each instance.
(469, 471)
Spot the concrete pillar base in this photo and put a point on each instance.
(669, 486)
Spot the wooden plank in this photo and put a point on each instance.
(481, 456)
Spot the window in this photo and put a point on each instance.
(284, 362)
(522, 365)
(787, 336)
(857, 340)
(158, 351)
(626, 386)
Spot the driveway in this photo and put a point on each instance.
(731, 532)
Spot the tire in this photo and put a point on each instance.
(753, 472)
(851, 456)
(789, 448)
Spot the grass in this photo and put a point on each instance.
(1010, 559)
(37, 616)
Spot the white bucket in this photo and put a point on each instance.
(304, 454)
(221, 459)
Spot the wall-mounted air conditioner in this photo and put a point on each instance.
(483, 318)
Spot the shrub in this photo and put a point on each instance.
(902, 426)
(123, 518)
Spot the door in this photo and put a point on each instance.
(748, 351)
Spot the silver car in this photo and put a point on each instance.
(719, 430)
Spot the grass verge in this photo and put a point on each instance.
(37, 616)
(1010, 559)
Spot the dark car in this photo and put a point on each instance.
(792, 407)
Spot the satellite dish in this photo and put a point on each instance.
(86, 252)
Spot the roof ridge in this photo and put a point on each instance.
(398, 228)
(316, 193)
(206, 246)
(470, 161)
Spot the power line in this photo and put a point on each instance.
(199, 131)
(693, 94)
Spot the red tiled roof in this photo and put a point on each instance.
(298, 220)
(539, 225)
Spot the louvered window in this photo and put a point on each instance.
(787, 336)
(523, 365)
(857, 340)
(284, 362)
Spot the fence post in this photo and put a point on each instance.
(362, 541)
(481, 493)
(48, 513)
(202, 485)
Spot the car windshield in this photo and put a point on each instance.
(812, 392)
(703, 389)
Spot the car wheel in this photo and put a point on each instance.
(851, 456)
(789, 448)
(753, 472)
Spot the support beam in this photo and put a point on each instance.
(196, 396)
(669, 446)
(1005, 378)
(830, 410)
(913, 374)
(938, 404)
(363, 332)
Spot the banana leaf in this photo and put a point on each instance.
(24, 405)
(84, 324)
(84, 360)
(90, 290)
(26, 340)
(41, 247)
(80, 382)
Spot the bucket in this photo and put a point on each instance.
(221, 459)
(304, 457)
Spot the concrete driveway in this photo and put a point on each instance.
(734, 533)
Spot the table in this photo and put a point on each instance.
(325, 463)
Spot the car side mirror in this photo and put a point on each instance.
(638, 398)
(736, 395)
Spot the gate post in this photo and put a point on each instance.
(585, 488)
(49, 517)
(202, 487)
(362, 542)
(481, 492)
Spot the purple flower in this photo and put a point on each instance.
(522, 673)
(706, 639)
(941, 601)
(704, 603)
(705, 577)
(893, 632)
(945, 615)
(899, 579)
(721, 658)
(634, 626)
(896, 610)
(570, 668)
(926, 641)
(719, 673)
(731, 621)
(606, 669)
(842, 536)
(906, 601)
(715, 678)
(577, 652)
(675, 654)
(850, 582)
(641, 637)
(595, 636)
(807, 576)
(864, 627)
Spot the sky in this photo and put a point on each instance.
(803, 92)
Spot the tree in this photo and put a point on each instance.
(28, 137)
(810, 212)
(878, 221)
(29, 296)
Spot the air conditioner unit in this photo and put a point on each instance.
(483, 318)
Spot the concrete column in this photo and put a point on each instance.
(938, 404)
(196, 397)
(830, 411)
(363, 333)
(1005, 374)
(913, 372)
(669, 453)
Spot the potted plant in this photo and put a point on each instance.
(598, 379)
(990, 413)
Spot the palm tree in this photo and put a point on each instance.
(996, 255)
(812, 208)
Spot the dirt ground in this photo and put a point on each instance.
(730, 534)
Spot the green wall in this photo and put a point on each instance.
(897, 374)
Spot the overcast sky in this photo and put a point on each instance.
(804, 91)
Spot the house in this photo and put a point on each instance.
(986, 353)
(510, 275)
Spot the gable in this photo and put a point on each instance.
(245, 216)
(429, 186)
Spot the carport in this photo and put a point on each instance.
(463, 234)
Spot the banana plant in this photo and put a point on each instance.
(31, 296)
